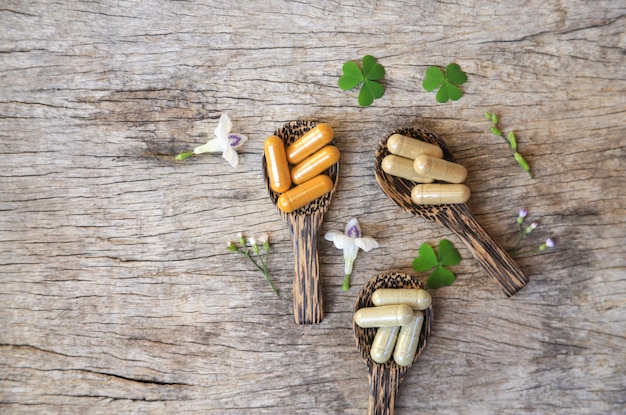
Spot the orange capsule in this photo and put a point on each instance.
(304, 193)
(277, 166)
(309, 143)
(314, 164)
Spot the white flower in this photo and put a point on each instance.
(224, 141)
(350, 242)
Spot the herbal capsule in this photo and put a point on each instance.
(385, 316)
(384, 341)
(416, 298)
(410, 148)
(304, 193)
(309, 143)
(408, 339)
(277, 166)
(314, 164)
(439, 194)
(403, 167)
(440, 169)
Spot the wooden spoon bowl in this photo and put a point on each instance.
(385, 378)
(456, 217)
(304, 226)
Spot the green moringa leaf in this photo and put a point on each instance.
(365, 97)
(440, 277)
(446, 82)
(448, 254)
(454, 93)
(352, 76)
(375, 88)
(455, 75)
(372, 70)
(426, 258)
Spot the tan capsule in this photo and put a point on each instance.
(304, 193)
(385, 316)
(439, 169)
(410, 148)
(439, 194)
(309, 143)
(416, 298)
(408, 339)
(383, 344)
(403, 167)
(277, 166)
(314, 164)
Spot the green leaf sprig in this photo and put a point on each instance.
(510, 139)
(353, 76)
(427, 260)
(255, 244)
(523, 232)
(447, 82)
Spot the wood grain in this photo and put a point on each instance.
(118, 294)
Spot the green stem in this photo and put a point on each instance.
(262, 269)
(519, 254)
(346, 282)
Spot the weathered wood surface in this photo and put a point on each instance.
(117, 292)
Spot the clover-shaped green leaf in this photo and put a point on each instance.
(369, 76)
(446, 82)
(427, 260)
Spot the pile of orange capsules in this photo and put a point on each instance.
(422, 162)
(296, 172)
(398, 315)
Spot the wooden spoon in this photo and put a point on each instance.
(385, 379)
(304, 225)
(456, 217)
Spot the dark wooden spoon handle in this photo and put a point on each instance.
(384, 383)
(307, 287)
(495, 260)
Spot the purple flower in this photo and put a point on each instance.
(224, 142)
(350, 241)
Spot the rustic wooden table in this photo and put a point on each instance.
(118, 294)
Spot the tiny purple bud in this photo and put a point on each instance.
(523, 213)
(531, 227)
(549, 243)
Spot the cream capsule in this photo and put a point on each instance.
(416, 298)
(439, 169)
(410, 148)
(383, 344)
(309, 143)
(408, 339)
(439, 194)
(384, 316)
(314, 164)
(402, 167)
(304, 193)
(277, 166)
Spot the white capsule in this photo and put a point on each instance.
(403, 167)
(440, 169)
(416, 298)
(410, 148)
(385, 316)
(439, 194)
(384, 341)
(408, 339)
